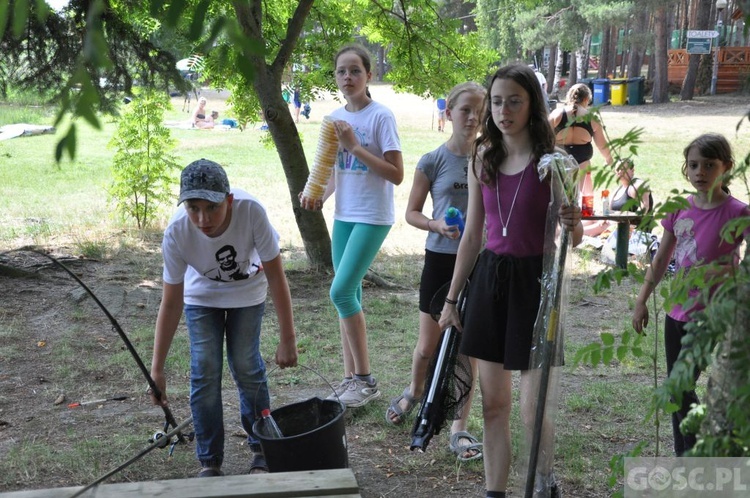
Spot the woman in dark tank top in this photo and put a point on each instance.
(575, 135)
(631, 189)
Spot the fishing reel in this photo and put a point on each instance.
(164, 438)
(160, 439)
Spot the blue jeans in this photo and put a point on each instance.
(207, 328)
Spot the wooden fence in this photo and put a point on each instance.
(734, 68)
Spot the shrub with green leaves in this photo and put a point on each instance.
(143, 164)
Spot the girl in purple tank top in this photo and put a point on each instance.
(506, 195)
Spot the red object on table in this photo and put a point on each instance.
(587, 206)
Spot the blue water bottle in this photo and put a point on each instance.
(453, 216)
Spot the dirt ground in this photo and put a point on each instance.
(58, 347)
(54, 339)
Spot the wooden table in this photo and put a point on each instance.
(623, 220)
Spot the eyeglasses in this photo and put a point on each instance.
(341, 73)
(513, 104)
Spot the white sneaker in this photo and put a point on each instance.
(359, 393)
(339, 390)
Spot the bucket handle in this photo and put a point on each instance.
(309, 369)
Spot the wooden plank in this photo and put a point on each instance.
(339, 483)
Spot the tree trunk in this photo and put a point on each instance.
(312, 225)
(582, 54)
(559, 61)
(573, 73)
(381, 63)
(729, 372)
(625, 56)
(660, 93)
(638, 44)
(651, 60)
(702, 22)
(604, 53)
(552, 76)
(267, 84)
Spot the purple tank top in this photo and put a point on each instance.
(525, 223)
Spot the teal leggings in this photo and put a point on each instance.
(353, 247)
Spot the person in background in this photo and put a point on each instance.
(210, 122)
(441, 174)
(221, 255)
(297, 100)
(632, 194)
(504, 293)
(692, 236)
(368, 166)
(542, 82)
(441, 107)
(575, 129)
(199, 114)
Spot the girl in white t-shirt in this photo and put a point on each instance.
(368, 166)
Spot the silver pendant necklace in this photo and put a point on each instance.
(512, 204)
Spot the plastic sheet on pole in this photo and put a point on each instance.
(560, 171)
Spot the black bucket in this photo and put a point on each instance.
(314, 437)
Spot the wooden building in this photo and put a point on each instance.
(734, 68)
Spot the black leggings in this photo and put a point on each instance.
(674, 331)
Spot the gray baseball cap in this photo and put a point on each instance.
(203, 179)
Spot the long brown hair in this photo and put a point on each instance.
(491, 139)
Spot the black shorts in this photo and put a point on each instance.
(503, 301)
(580, 152)
(437, 271)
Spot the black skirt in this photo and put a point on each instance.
(503, 302)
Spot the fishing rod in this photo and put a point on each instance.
(169, 417)
(159, 440)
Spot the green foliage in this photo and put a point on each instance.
(692, 423)
(604, 279)
(704, 341)
(495, 20)
(142, 164)
(435, 46)
(607, 349)
(617, 467)
(716, 334)
(92, 249)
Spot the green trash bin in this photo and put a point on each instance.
(636, 90)
(618, 91)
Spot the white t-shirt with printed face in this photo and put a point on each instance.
(361, 195)
(223, 271)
